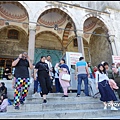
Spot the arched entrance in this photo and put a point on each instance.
(50, 41)
(97, 42)
(12, 34)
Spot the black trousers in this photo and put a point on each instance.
(45, 82)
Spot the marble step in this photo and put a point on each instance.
(61, 114)
(38, 99)
(37, 107)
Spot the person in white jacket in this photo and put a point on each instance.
(4, 104)
(102, 83)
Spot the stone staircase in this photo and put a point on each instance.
(58, 107)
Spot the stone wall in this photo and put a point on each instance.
(100, 50)
(48, 40)
(12, 47)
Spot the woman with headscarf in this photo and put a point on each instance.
(63, 70)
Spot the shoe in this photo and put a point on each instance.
(17, 107)
(44, 101)
(77, 95)
(41, 94)
(65, 96)
(114, 108)
(105, 108)
(21, 102)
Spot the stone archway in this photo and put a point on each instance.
(46, 22)
(49, 40)
(38, 13)
(97, 41)
(106, 23)
(48, 43)
(29, 11)
(12, 47)
(100, 49)
(14, 13)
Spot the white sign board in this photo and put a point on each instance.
(74, 57)
(116, 59)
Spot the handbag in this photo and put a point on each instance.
(65, 77)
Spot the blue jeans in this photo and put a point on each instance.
(91, 76)
(57, 85)
(37, 87)
(80, 78)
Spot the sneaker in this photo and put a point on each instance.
(21, 102)
(17, 107)
(77, 95)
(105, 108)
(114, 108)
(44, 101)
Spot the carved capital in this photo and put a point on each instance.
(79, 33)
(32, 26)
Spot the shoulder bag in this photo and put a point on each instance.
(66, 77)
(47, 70)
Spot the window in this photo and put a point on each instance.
(75, 42)
(13, 34)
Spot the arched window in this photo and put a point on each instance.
(13, 34)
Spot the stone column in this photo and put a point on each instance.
(80, 44)
(31, 44)
(31, 49)
(113, 45)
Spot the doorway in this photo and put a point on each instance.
(56, 55)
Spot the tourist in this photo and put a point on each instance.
(116, 72)
(109, 71)
(82, 73)
(3, 88)
(57, 82)
(106, 92)
(21, 78)
(64, 69)
(90, 69)
(43, 77)
(4, 103)
(7, 74)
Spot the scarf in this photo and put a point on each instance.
(65, 66)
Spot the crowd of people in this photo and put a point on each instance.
(105, 77)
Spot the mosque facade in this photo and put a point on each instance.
(55, 27)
